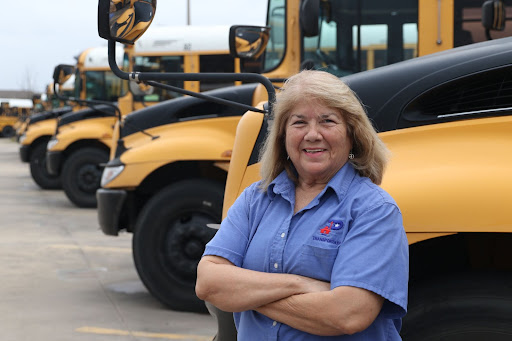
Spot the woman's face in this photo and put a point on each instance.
(316, 141)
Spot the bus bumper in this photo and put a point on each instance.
(110, 204)
(24, 153)
(53, 162)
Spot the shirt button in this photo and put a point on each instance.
(282, 235)
(276, 265)
(274, 323)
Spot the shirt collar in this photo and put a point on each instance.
(339, 183)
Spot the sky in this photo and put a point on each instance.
(36, 35)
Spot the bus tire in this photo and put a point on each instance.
(38, 169)
(467, 307)
(8, 131)
(81, 175)
(169, 239)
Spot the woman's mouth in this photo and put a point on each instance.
(314, 151)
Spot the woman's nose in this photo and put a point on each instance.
(313, 134)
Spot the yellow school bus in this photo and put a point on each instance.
(91, 73)
(82, 145)
(436, 114)
(348, 37)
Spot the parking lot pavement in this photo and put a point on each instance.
(62, 279)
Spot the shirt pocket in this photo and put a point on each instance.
(317, 262)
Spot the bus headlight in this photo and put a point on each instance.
(22, 138)
(110, 173)
(51, 143)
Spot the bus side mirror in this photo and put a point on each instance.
(493, 15)
(124, 21)
(62, 73)
(248, 42)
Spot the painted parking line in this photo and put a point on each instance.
(117, 332)
(91, 248)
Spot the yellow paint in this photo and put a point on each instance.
(42, 128)
(206, 139)
(89, 129)
(118, 332)
(452, 177)
(418, 237)
(435, 26)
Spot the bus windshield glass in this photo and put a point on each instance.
(356, 36)
(103, 86)
(276, 19)
(160, 64)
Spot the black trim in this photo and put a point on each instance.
(24, 153)
(110, 204)
(387, 91)
(188, 108)
(46, 115)
(54, 162)
(97, 111)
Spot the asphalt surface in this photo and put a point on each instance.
(61, 278)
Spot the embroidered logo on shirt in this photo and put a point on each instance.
(332, 225)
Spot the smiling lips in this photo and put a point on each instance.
(314, 151)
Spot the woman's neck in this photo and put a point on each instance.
(305, 193)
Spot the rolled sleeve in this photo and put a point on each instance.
(230, 241)
(374, 256)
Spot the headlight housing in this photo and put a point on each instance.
(110, 173)
(51, 143)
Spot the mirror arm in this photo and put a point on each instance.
(152, 78)
(206, 97)
(58, 95)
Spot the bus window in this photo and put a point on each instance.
(274, 52)
(78, 85)
(467, 22)
(373, 45)
(95, 85)
(360, 35)
(160, 64)
(103, 86)
(215, 63)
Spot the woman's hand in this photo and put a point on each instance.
(342, 310)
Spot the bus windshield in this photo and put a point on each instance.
(103, 86)
(353, 35)
(360, 35)
(160, 64)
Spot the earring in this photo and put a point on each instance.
(287, 157)
(351, 156)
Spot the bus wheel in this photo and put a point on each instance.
(81, 175)
(170, 237)
(469, 307)
(38, 169)
(8, 131)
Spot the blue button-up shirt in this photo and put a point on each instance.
(351, 234)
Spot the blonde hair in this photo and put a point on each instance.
(370, 153)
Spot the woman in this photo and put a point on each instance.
(315, 250)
